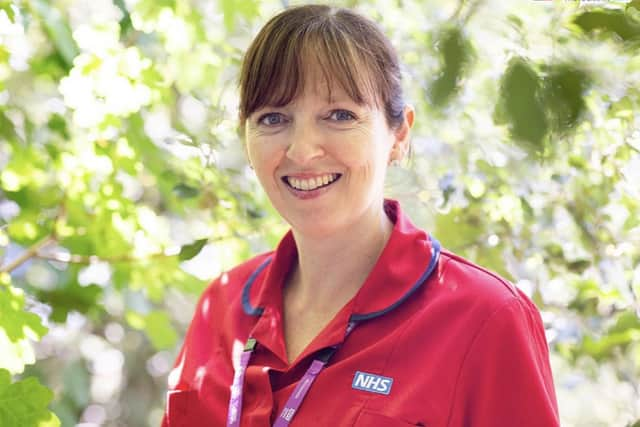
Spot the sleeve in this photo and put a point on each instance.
(506, 379)
(196, 348)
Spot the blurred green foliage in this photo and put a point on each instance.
(124, 189)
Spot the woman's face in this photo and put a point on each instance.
(322, 161)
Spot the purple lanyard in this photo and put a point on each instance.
(235, 402)
(295, 399)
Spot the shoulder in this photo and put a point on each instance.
(478, 291)
(502, 349)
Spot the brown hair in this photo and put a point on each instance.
(349, 49)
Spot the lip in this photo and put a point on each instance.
(308, 194)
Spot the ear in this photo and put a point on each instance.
(402, 135)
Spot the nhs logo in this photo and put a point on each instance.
(372, 383)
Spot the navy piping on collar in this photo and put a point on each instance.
(355, 318)
(433, 262)
(246, 304)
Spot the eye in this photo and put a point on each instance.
(271, 119)
(342, 115)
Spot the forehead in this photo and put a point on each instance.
(324, 84)
(323, 78)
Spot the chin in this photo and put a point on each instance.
(312, 226)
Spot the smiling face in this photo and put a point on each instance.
(322, 158)
(322, 110)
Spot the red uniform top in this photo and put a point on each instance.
(462, 348)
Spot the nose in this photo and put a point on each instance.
(306, 143)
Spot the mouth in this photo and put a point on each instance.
(312, 183)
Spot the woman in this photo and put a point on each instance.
(358, 317)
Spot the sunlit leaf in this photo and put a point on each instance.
(577, 162)
(458, 229)
(5, 5)
(627, 320)
(58, 30)
(602, 347)
(24, 403)
(232, 9)
(4, 54)
(157, 326)
(17, 323)
(18, 329)
(125, 22)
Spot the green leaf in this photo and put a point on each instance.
(58, 30)
(185, 191)
(458, 229)
(6, 6)
(564, 88)
(609, 21)
(578, 162)
(627, 320)
(7, 130)
(24, 403)
(602, 348)
(520, 106)
(17, 329)
(456, 54)
(125, 22)
(231, 9)
(4, 54)
(71, 297)
(189, 251)
(17, 323)
(157, 326)
(149, 10)
(579, 266)
(58, 124)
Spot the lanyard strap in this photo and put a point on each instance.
(235, 402)
(295, 399)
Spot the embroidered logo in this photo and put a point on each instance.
(372, 383)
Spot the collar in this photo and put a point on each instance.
(407, 260)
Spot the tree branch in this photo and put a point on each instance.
(458, 10)
(93, 259)
(26, 255)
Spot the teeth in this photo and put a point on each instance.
(312, 183)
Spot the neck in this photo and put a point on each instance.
(331, 269)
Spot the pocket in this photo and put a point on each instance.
(182, 408)
(373, 419)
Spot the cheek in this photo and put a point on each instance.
(366, 154)
(263, 156)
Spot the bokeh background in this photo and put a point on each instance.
(124, 187)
